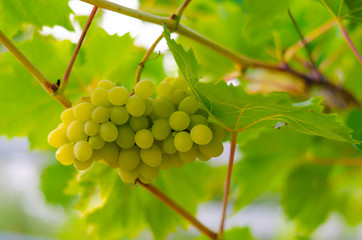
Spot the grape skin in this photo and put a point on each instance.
(163, 107)
(75, 131)
(106, 84)
(129, 158)
(119, 115)
(189, 105)
(151, 156)
(96, 142)
(179, 120)
(138, 123)
(147, 171)
(212, 149)
(118, 96)
(176, 161)
(91, 128)
(83, 111)
(144, 138)
(144, 89)
(201, 134)
(58, 137)
(136, 106)
(165, 163)
(161, 129)
(128, 176)
(101, 114)
(65, 154)
(108, 131)
(99, 97)
(109, 153)
(82, 150)
(83, 165)
(183, 142)
(168, 145)
(67, 116)
(125, 137)
(164, 89)
(189, 156)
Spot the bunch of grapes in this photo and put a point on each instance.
(134, 133)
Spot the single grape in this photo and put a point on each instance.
(96, 142)
(189, 105)
(109, 153)
(99, 97)
(202, 157)
(118, 96)
(165, 163)
(179, 120)
(128, 176)
(58, 137)
(151, 156)
(168, 145)
(212, 149)
(149, 106)
(195, 120)
(176, 161)
(67, 116)
(147, 171)
(179, 83)
(183, 142)
(217, 132)
(83, 165)
(201, 134)
(101, 114)
(129, 158)
(62, 125)
(144, 89)
(164, 89)
(144, 180)
(91, 128)
(189, 156)
(125, 137)
(138, 123)
(163, 107)
(177, 96)
(108, 131)
(82, 150)
(83, 111)
(106, 84)
(144, 138)
(136, 106)
(119, 115)
(65, 154)
(75, 131)
(161, 129)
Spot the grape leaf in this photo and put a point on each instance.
(236, 110)
(234, 234)
(350, 9)
(354, 121)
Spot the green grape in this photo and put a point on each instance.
(202, 157)
(189, 105)
(136, 106)
(138, 123)
(128, 176)
(108, 131)
(58, 137)
(163, 107)
(179, 83)
(62, 125)
(161, 129)
(106, 84)
(177, 96)
(96, 142)
(159, 144)
(83, 111)
(217, 132)
(67, 116)
(168, 145)
(91, 128)
(82, 150)
(202, 112)
(165, 163)
(144, 89)
(119, 115)
(201, 134)
(99, 97)
(83, 165)
(179, 120)
(149, 106)
(195, 120)
(65, 154)
(118, 96)
(164, 89)
(109, 153)
(151, 156)
(75, 131)
(189, 156)
(101, 114)
(147, 171)
(176, 161)
(129, 158)
(144, 138)
(144, 180)
(125, 137)
(212, 149)
(183, 142)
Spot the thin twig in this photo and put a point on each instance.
(177, 208)
(227, 182)
(349, 41)
(63, 84)
(181, 9)
(49, 87)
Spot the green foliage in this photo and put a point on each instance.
(234, 234)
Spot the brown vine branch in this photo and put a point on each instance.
(177, 208)
(349, 41)
(227, 182)
(64, 83)
(49, 87)
(181, 9)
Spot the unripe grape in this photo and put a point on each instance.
(147, 171)
(82, 150)
(217, 132)
(179, 120)
(195, 120)
(136, 106)
(118, 96)
(165, 163)
(106, 84)
(128, 176)
(179, 83)
(83, 111)
(109, 153)
(202, 157)
(108, 131)
(183, 142)
(176, 161)
(68, 116)
(91, 128)
(164, 89)
(65, 154)
(151, 156)
(99, 97)
(168, 145)
(83, 165)
(144, 89)
(189, 156)
(149, 106)
(144, 138)
(129, 158)
(96, 142)
(161, 129)
(144, 180)
(125, 137)
(119, 115)
(75, 131)
(101, 114)
(212, 149)
(201, 134)
(58, 137)
(62, 125)
(137, 123)
(163, 107)
(177, 96)
(189, 105)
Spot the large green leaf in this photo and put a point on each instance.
(350, 9)
(236, 110)
(234, 234)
